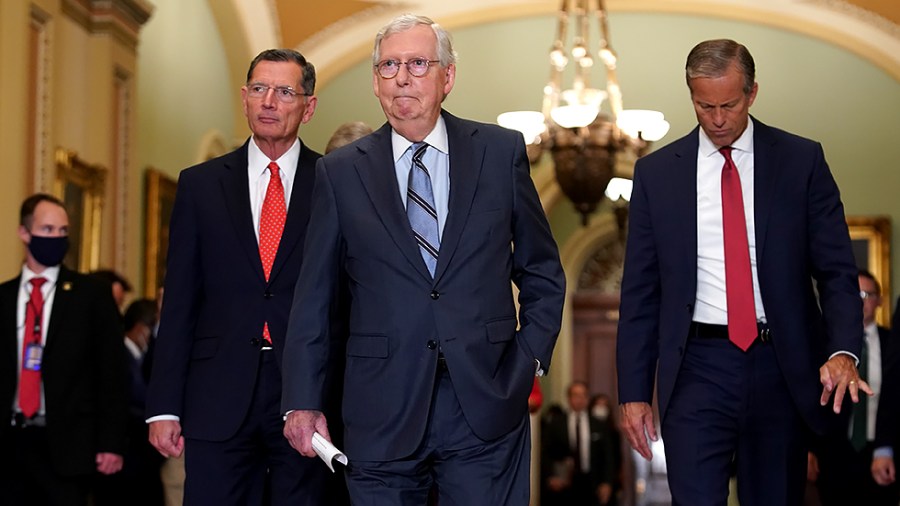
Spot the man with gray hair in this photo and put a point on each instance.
(727, 226)
(429, 219)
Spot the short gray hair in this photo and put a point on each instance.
(404, 22)
(712, 58)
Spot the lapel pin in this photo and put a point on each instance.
(67, 286)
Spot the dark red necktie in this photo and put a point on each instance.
(271, 225)
(742, 328)
(30, 380)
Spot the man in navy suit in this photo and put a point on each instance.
(236, 239)
(430, 220)
(739, 367)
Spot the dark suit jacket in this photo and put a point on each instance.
(217, 298)
(556, 447)
(400, 317)
(801, 233)
(82, 372)
(887, 425)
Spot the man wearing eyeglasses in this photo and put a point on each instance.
(431, 218)
(236, 236)
(845, 455)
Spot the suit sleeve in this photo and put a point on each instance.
(637, 342)
(165, 394)
(887, 425)
(537, 271)
(833, 266)
(307, 343)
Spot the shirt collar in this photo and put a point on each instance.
(743, 143)
(258, 162)
(437, 139)
(51, 274)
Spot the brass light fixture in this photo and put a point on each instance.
(584, 142)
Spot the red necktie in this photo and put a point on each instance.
(742, 328)
(30, 380)
(271, 224)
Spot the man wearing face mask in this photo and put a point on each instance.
(62, 379)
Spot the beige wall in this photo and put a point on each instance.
(83, 58)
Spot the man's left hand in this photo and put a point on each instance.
(109, 463)
(604, 493)
(839, 376)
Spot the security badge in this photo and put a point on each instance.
(34, 352)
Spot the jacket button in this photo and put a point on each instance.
(268, 295)
(435, 295)
(690, 308)
(254, 341)
(431, 345)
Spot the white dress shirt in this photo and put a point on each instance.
(258, 172)
(48, 289)
(584, 453)
(711, 306)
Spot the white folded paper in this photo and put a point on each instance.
(327, 451)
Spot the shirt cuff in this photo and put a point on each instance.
(883, 451)
(538, 370)
(160, 418)
(842, 352)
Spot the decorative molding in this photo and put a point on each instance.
(43, 97)
(121, 18)
(856, 12)
(122, 164)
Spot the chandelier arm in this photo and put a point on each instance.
(609, 57)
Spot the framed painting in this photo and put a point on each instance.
(160, 199)
(871, 240)
(81, 186)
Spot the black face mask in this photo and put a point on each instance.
(48, 251)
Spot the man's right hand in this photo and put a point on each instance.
(299, 428)
(165, 436)
(637, 422)
(883, 471)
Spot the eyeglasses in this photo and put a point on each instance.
(284, 94)
(417, 67)
(865, 295)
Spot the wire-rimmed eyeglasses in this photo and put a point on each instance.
(417, 67)
(284, 94)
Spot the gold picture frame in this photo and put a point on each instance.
(871, 239)
(81, 187)
(160, 200)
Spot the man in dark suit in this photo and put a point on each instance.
(62, 378)
(430, 219)
(727, 227)
(576, 454)
(887, 427)
(236, 239)
(845, 454)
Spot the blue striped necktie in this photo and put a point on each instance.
(420, 208)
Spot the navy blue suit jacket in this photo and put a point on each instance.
(801, 236)
(496, 234)
(217, 299)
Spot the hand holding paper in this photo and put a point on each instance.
(327, 451)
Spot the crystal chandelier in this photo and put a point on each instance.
(585, 143)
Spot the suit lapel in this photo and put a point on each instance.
(466, 159)
(63, 294)
(236, 189)
(683, 186)
(376, 170)
(298, 210)
(765, 181)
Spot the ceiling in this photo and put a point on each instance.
(297, 25)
